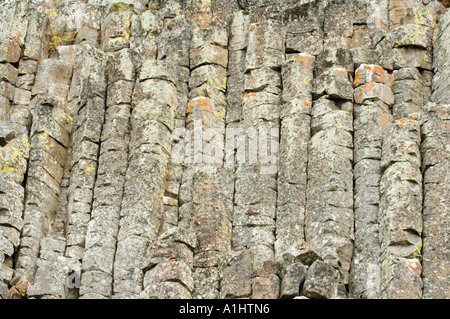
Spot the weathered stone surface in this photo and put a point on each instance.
(372, 121)
(400, 217)
(321, 281)
(224, 149)
(292, 278)
(435, 162)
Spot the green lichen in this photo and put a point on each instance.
(121, 7)
(56, 40)
(445, 3)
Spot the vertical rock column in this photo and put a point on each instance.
(49, 143)
(297, 74)
(409, 52)
(436, 166)
(173, 47)
(207, 190)
(329, 204)
(14, 152)
(441, 79)
(85, 141)
(255, 197)
(152, 122)
(372, 120)
(101, 236)
(53, 267)
(168, 271)
(17, 73)
(400, 214)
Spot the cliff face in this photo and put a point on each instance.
(224, 149)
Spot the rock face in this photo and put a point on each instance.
(224, 149)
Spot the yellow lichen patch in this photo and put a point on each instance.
(90, 169)
(56, 40)
(47, 142)
(419, 246)
(8, 169)
(122, 7)
(51, 13)
(219, 114)
(16, 152)
(306, 81)
(224, 84)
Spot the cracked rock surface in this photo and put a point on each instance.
(224, 149)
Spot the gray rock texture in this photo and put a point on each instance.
(201, 149)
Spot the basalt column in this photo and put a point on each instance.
(372, 120)
(400, 215)
(436, 166)
(207, 189)
(49, 143)
(297, 75)
(329, 206)
(255, 197)
(103, 227)
(152, 120)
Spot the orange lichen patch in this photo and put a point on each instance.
(308, 103)
(390, 80)
(250, 95)
(304, 58)
(432, 34)
(415, 266)
(358, 80)
(402, 122)
(252, 27)
(369, 86)
(372, 73)
(341, 72)
(204, 104)
(415, 114)
(384, 120)
(189, 110)
(377, 70)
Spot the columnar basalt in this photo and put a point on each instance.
(372, 120)
(400, 215)
(224, 149)
(435, 164)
